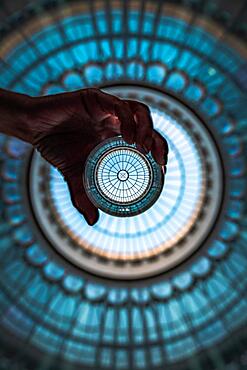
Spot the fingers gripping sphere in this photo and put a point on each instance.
(66, 127)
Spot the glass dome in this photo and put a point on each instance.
(163, 289)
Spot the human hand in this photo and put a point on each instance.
(66, 127)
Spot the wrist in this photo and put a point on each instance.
(14, 109)
(24, 126)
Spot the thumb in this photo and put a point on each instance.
(80, 199)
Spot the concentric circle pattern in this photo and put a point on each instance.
(167, 229)
(120, 180)
(123, 176)
(166, 288)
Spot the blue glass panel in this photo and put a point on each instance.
(237, 187)
(183, 280)
(118, 48)
(106, 357)
(39, 294)
(11, 192)
(122, 358)
(73, 284)
(237, 314)
(80, 53)
(212, 333)
(144, 48)
(164, 52)
(189, 63)
(162, 290)
(140, 296)
(64, 308)
(132, 47)
(10, 169)
(47, 40)
(16, 148)
(133, 22)
(235, 209)
(233, 145)
(156, 355)
(135, 71)
(78, 27)
(46, 340)
(218, 249)
(106, 49)
(171, 29)
(53, 271)
(93, 74)
(113, 70)
(124, 322)
(73, 81)
(140, 358)
(16, 275)
(95, 292)
(23, 234)
(210, 106)
(201, 267)
(148, 24)
(194, 92)
(117, 25)
(238, 166)
(156, 73)
(224, 124)
(118, 296)
(36, 255)
(176, 81)
(102, 24)
(54, 89)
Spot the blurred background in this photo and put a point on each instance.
(165, 289)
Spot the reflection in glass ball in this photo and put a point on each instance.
(120, 180)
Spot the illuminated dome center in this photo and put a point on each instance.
(167, 230)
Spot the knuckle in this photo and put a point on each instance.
(144, 107)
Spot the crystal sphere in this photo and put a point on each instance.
(120, 180)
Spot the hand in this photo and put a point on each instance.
(66, 127)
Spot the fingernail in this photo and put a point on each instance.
(164, 169)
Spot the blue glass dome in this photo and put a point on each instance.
(175, 297)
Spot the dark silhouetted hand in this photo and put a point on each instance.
(64, 128)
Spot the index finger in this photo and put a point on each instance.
(144, 124)
(120, 108)
(159, 148)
